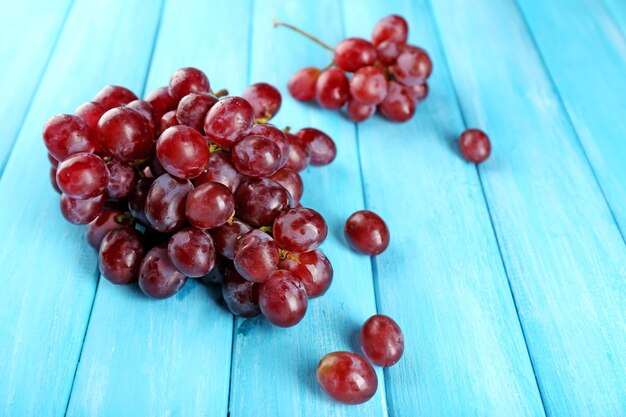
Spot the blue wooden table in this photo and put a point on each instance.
(509, 279)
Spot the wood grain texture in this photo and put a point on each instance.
(29, 31)
(48, 270)
(442, 277)
(562, 250)
(146, 357)
(590, 50)
(274, 369)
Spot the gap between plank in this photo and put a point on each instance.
(98, 277)
(491, 222)
(37, 85)
(234, 335)
(565, 112)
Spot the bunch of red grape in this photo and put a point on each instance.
(387, 73)
(188, 184)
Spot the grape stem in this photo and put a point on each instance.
(305, 34)
(221, 93)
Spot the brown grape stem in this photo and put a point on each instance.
(305, 34)
(221, 93)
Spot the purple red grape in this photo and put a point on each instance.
(188, 80)
(120, 255)
(66, 134)
(229, 120)
(283, 299)
(114, 96)
(125, 134)
(475, 145)
(256, 156)
(300, 229)
(259, 201)
(241, 296)
(256, 256)
(162, 101)
(158, 277)
(367, 233)
(332, 88)
(83, 176)
(182, 151)
(301, 85)
(320, 147)
(265, 99)
(382, 340)
(312, 269)
(193, 108)
(209, 205)
(165, 203)
(347, 377)
(191, 251)
(107, 221)
(354, 53)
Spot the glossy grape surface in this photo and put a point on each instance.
(392, 27)
(158, 277)
(209, 205)
(312, 269)
(168, 120)
(291, 181)
(358, 112)
(369, 85)
(125, 134)
(225, 237)
(275, 135)
(320, 147)
(298, 158)
(367, 233)
(382, 340)
(256, 156)
(191, 251)
(108, 220)
(188, 80)
(90, 112)
(161, 100)
(165, 203)
(146, 110)
(332, 88)
(193, 108)
(398, 105)
(137, 199)
(114, 96)
(347, 377)
(220, 169)
(66, 134)
(122, 180)
(229, 120)
(256, 256)
(82, 176)
(182, 151)
(120, 255)
(300, 229)
(265, 99)
(301, 85)
(81, 211)
(413, 66)
(283, 299)
(259, 201)
(241, 296)
(475, 145)
(388, 51)
(354, 53)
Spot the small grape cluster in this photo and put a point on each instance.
(387, 73)
(191, 183)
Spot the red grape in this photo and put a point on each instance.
(168, 120)
(347, 377)
(256, 256)
(90, 112)
(388, 51)
(165, 203)
(53, 161)
(382, 341)
(475, 145)
(256, 156)
(282, 299)
(399, 105)
(188, 80)
(275, 135)
(120, 255)
(161, 101)
(107, 221)
(220, 169)
(354, 53)
(265, 99)
(367, 233)
(298, 158)
(183, 152)
(259, 201)
(137, 200)
(66, 134)
(82, 176)
(81, 211)
(53, 179)
(300, 229)
(358, 112)
(114, 96)
(332, 88)
(392, 27)
(146, 110)
(413, 66)
(125, 134)
(191, 251)
(301, 85)
(122, 179)
(369, 85)
(291, 181)
(241, 296)
(158, 277)
(312, 269)
(229, 120)
(420, 92)
(193, 108)
(209, 205)
(225, 237)
(320, 147)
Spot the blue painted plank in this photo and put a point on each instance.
(145, 357)
(563, 252)
(48, 270)
(617, 8)
(29, 30)
(274, 369)
(442, 278)
(594, 54)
